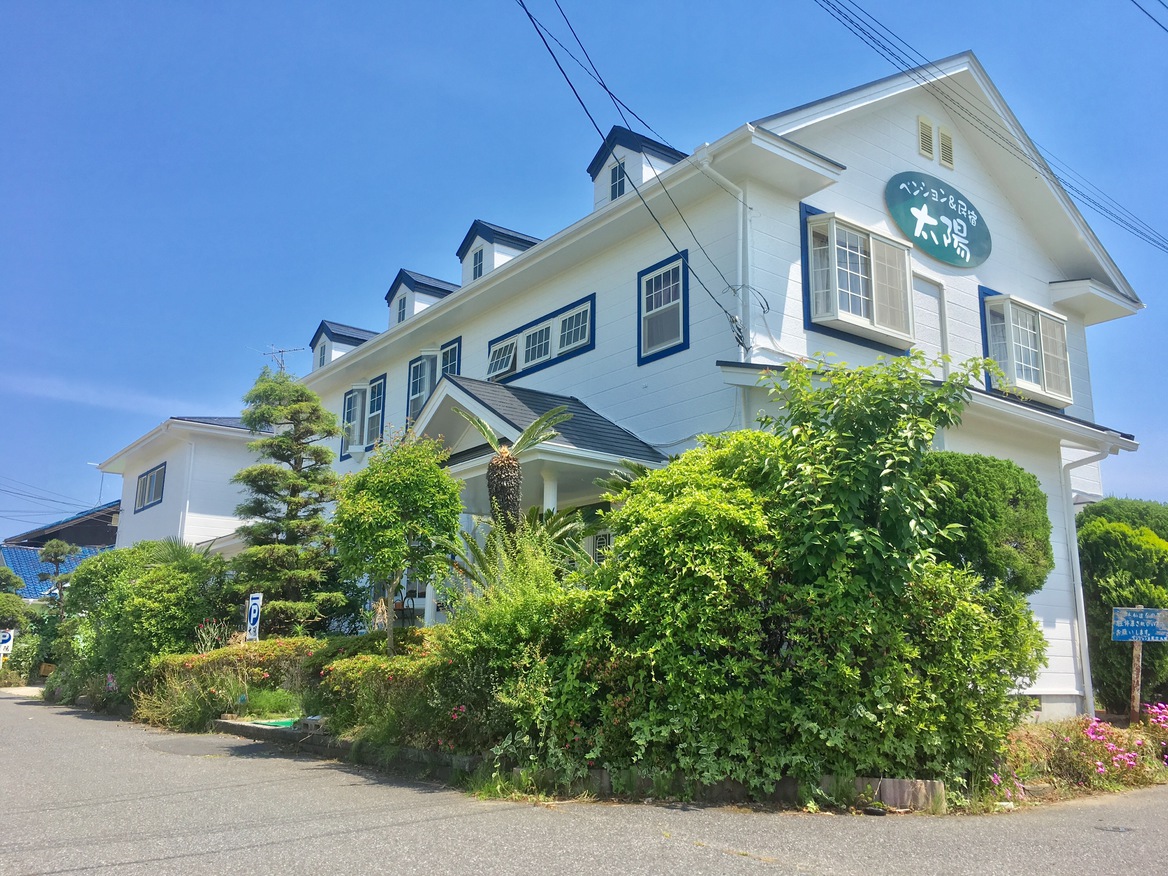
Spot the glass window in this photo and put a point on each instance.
(476, 269)
(616, 185)
(353, 420)
(375, 421)
(537, 344)
(860, 282)
(1030, 346)
(450, 356)
(661, 309)
(401, 309)
(150, 485)
(574, 329)
(501, 360)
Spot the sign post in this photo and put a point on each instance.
(254, 603)
(1138, 625)
(5, 645)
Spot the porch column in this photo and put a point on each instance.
(430, 616)
(551, 489)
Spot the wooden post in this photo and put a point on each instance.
(1137, 681)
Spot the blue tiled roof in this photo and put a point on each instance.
(26, 563)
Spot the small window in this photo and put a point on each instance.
(537, 344)
(375, 419)
(925, 137)
(401, 309)
(945, 147)
(150, 488)
(859, 281)
(421, 384)
(450, 358)
(353, 420)
(501, 361)
(321, 355)
(617, 178)
(1030, 345)
(662, 304)
(476, 264)
(574, 329)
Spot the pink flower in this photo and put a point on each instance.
(995, 778)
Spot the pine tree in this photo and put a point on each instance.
(288, 554)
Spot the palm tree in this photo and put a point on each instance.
(504, 473)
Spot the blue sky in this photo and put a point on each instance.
(185, 184)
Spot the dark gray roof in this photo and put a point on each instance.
(587, 430)
(416, 282)
(619, 136)
(225, 422)
(494, 234)
(338, 331)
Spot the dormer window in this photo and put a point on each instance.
(401, 309)
(322, 352)
(477, 264)
(617, 181)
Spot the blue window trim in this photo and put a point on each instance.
(811, 327)
(160, 467)
(984, 292)
(384, 398)
(683, 344)
(457, 345)
(590, 300)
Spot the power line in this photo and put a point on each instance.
(1159, 23)
(735, 323)
(986, 124)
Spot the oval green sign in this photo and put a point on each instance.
(938, 219)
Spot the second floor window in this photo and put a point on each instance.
(1029, 343)
(476, 265)
(616, 176)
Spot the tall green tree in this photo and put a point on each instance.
(391, 516)
(504, 472)
(288, 554)
(55, 552)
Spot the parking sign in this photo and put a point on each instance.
(254, 602)
(6, 641)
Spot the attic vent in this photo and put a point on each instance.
(925, 136)
(945, 147)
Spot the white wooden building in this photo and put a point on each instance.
(912, 212)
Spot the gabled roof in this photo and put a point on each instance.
(494, 234)
(619, 136)
(519, 407)
(416, 283)
(339, 332)
(45, 531)
(26, 563)
(978, 109)
(232, 426)
(226, 422)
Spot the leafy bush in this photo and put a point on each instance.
(13, 614)
(1122, 567)
(772, 605)
(268, 663)
(179, 700)
(26, 656)
(1136, 513)
(1001, 509)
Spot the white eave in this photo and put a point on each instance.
(745, 151)
(1071, 432)
(116, 464)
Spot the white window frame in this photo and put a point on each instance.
(419, 385)
(150, 488)
(617, 178)
(878, 275)
(501, 358)
(650, 311)
(1035, 357)
(512, 354)
(584, 310)
(448, 358)
(476, 264)
(321, 354)
(375, 412)
(353, 417)
(401, 309)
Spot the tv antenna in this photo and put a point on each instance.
(277, 354)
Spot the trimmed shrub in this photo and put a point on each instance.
(1136, 513)
(1001, 509)
(1122, 567)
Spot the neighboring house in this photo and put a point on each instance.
(176, 481)
(96, 527)
(912, 212)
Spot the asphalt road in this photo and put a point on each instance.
(87, 794)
